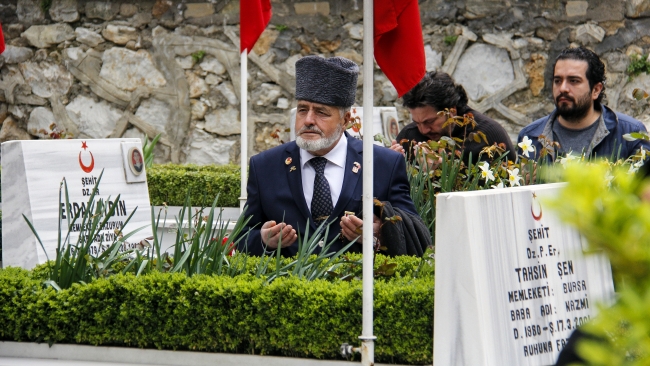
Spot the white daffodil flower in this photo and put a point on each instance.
(609, 178)
(526, 146)
(486, 173)
(632, 169)
(569, 157)
(498, 186)
(635, 167)
(514, 177)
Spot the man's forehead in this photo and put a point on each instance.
(314, 104)
(426, 111)
(570, 67)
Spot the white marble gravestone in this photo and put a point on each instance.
(32, 172)
(511, 280)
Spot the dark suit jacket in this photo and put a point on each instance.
(275, 191)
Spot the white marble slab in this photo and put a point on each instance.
(511, 279)
(32, 172)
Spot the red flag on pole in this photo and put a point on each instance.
(254, 15)
(2, 40)
(399, 48)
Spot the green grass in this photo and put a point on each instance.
(450, 40)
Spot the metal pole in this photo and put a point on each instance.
(367, 337)
(243, 101)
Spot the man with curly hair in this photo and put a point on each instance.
(427, 101)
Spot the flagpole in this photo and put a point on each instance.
(243, 101)
(367, 337)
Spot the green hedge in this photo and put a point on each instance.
(288, 317)
(169, 183)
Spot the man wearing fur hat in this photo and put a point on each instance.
(295, 187)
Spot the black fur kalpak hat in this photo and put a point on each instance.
(331, 81)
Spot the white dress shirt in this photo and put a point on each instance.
(334, 171)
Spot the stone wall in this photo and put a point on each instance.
(97, 69)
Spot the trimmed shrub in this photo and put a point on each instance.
(289, 317)
(169, 183)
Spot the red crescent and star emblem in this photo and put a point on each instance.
(86, 168)
(532, 208)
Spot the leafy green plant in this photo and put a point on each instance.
(609, 206)
(147, 150)
(205, 250)
(75, 262)
(439, 167)
(281, 27)
(450, 40)
(638, 64)
(381, 138)
(305, 264)
(198, 56)
(208, 245)
(423, 193)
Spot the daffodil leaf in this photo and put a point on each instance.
(636, 136)
(482, 136)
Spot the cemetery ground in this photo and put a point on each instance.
(196, 295)
(201, 298)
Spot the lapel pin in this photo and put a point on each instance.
(292, 168)
(288, 161)
(355, 168)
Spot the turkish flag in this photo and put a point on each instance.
(2, 40)
(399, 48)
(254, 15)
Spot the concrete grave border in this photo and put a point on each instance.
(74, 352)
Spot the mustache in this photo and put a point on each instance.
(565, 96)
(310, 129)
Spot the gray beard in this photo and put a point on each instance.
(320, 144)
